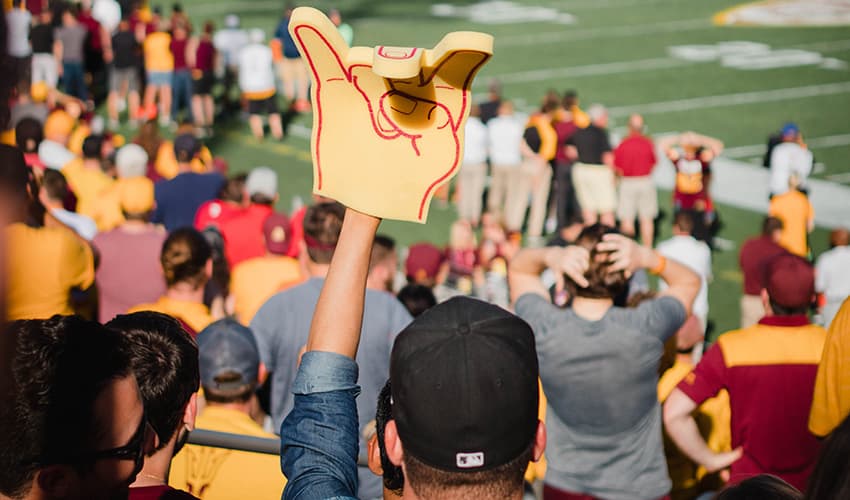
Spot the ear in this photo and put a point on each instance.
(373, 452)
(539, 441)
(208, 268)
(262, 374)
(191, 412)
(56, 481)
(765, 302)
(392, 443)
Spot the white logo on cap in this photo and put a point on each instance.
(470, 460)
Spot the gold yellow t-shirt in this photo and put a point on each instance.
(89, 184)
(166, 163)
(795, 211)
(157, 51)
(108, 210)
(42, 266)
(195, 315)
(831, 401)
(219, 474)
(255, 280)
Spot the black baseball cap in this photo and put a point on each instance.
(186, 146)
(464, 386)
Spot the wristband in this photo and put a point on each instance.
(662, 263)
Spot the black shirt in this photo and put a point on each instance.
(41, 36)
(125, 50)
(489, 110)
(532, 138)
(591, 143)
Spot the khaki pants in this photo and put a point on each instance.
(594, 185)
(752, 310)
(501, 179)
(532, 181)
(471, 185)
(293, 76)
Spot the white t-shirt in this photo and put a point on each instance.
(107, 13)
(696, 255)
(832, 278)
(256, 72)
(505, 137)
(54, 155)
(18, 35)
(81, 224)
(229, 42)
(475, 141)
(789, 158)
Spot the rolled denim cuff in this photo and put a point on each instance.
(325, 372)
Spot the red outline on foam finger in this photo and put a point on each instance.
(409, 56)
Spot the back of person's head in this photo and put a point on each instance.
(52, 373)
(261, 186)
(230, 362)
(54, 184)
(417, 298)
(164, 358)
(684, 222)
(771, 226)
(602, 283)
(506, 108)
(839, 238)
(322, 224)
(789, 281)
(423, 263)
(831, 477)
(383, 250)
(131, 161)
(761, 487)
(464, 350)
(186, 147)
(234, 189)
(570, 99)
(256, 35)
(393, 476)
(597, 114)
(184, 258)
(790, 131)
(636, 123)
(29, 133)
(92, 147)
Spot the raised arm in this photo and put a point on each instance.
(525, 269)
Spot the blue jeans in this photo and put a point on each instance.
(73, 78)
(318, 439)
(181, 89)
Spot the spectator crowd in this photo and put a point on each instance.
(553, 348)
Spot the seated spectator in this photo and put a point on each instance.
(164, 358)
(86, 176)
(417, 299)
(243, 231)
(832, 274)
(186, 260)
(769, 371)
(594, 354)
(762, 486)
(129, 272)
(831, 402)
(44, 263)
(178, 199)
(797, 214)
(230, 371)
(54, 190)
(72, 424)
(256, 280)
(230, 201)
(830, 480)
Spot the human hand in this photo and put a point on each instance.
(625, 254)
(720, 461)
(387, 122)
(571, 261)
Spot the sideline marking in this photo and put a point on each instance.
(825, 142)
(588, 70)
(603, 32)
(737, 99)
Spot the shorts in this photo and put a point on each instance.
(202, 84)
(121, 77)
(159, 77)
(267, 106)
(637, 198)
(594, 185)
(44, 69)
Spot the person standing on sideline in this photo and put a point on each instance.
(202, 56)
(634, 160)
(18, 23)
(69, 51)
(292, 70)
(123, 57)
(593, 174)
(790, 157)
(473, 170)
(256, 81)
(832, 273)
(504, 144)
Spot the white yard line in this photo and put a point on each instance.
(611, 68)
(607, 32)
(737, 99)
(829, 141)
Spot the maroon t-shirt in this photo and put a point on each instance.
(129, 273)
(178, 49)
(635, 156)
(754, 253)
(161, 492)
(564, 130)
(205, 56)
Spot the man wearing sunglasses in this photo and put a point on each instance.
(72, 423)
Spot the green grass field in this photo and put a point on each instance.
(616, 53)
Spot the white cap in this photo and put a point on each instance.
(131, 161)
(231, 21)
(262, 180)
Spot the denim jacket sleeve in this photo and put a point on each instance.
(319, 444)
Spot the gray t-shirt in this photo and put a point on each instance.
(600, 379)
(73, 40)
(281, 327)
